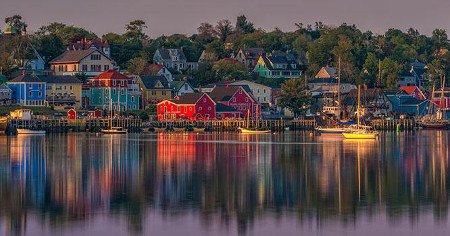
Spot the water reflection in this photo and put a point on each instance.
(225, 182)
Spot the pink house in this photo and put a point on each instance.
(238, 97)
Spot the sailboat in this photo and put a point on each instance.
(437, 121)
(334, 109)
(360, 131)
(111, 129)
(253, 131)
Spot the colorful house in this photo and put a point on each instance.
(414, 91)
(191, 106)
(408, 104)
(181, 87)
(63, 90)
(173, 59)
(262, 93)
(158, 69)
(91, 62)
(441, 98)
(249, 56)
(85, 44)
(27, 90)
(110, 90)
(154, 89)
(278, 65)
(239, 97)
(5, 95)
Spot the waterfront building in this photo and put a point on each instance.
(181, 87)
(5, 95)
(154, 89)
(249, 56)
(27, 90)
(414, 91)
(441, 98)
(278, 65)
(112, 90)
(262, 93)
(91, 62)
(173, 59)
(407, 104)
(158, 69)
(62, 90)
(239, 97)
(191, 106)
(85, 44)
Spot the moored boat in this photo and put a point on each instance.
(254, 131)
(199, 130)
(29, 131)
(115, 130)
(331, 130)
(179, 130)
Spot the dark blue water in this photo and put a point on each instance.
(224, 184)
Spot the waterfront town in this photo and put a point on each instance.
(315, 76)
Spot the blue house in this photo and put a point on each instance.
(27, 90)
(406, 104)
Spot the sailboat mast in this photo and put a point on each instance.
(359, 104)
(442, 97)
(339, 88)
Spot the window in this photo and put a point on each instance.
(204, 100)
(84, 68)
(114, 82)
(185, 86)
(132, 98)
(96, 57)
(39, 94)
(179, 109)
(200, 108)
(190, 108)
(122, 83)
(74, 68)
(30, 86)
(30, 93)
(246, 99)
(106, 67)
(209, 108)
(234, 99)
(163, 92)
(70, 87)
(39, 86)
(122, 91)
(240, 91)
(154, 93)
(114, 91)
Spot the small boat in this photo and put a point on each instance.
(199, 130)
(438, 124)
(331, 130)
(115, 130)
(29, 131)
(251, 131)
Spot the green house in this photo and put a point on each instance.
(278, 65)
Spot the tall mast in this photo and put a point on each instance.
(359, 104)
(339, 88)
(442, 97)
(379, 74)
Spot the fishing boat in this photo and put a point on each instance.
(115, 130)
(199, 130)
(438, 119)
(359, 131)
(254, 131)
(29, 131)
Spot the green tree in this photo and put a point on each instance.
(135, 31)
(67, 33)
(244, 26)
(136, 65)
(390, 71)
(295, 96)
(230, 70)
(223, 29)
(206, 32)
(16, 24)
(370, 70)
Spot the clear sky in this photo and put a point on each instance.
(184, 16)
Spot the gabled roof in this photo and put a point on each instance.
(225, 92)
(60, 79)
(75, 56)
(4, 87)
(26, 79)
(252, 53)
(150, 81)
(152, 69)
(326, 72)
(224, 108)
(167, 54)
(189, 98)
(111, 75)
(176, 85)
(85, 44)
(280, 58)
(417, 64)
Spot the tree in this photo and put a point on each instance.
(230, 69)
(136, 65)
(223, 29)
(16, 24)
(370, 70)
(67, 33)
(389, 73)
(49, 46)
(295, 96)
(243, 26)
(204, 75)
(206, 32)
(135, 31)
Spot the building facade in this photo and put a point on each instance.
(192, 106)
(91, 62)
(181, 87)
(5, 95)
(262, 93)
(27, 90)
(154, 89)
(63, 90)
(238, 97)
(249, 56)
(173, 59)
(278, 65)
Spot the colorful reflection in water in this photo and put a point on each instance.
(220, 184)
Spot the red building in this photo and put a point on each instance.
(442, 98)
(191, 106)
(414, 91)
(238, 97)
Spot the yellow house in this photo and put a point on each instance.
(92, 62)
(63, 90)
(154, 89)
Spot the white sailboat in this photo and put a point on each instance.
(29, 131)
(111, 129)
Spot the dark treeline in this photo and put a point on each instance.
(316, 45)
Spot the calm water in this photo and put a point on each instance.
(224, 184)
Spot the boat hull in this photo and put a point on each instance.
(28, 131)
(360, 135)
(330, 130)
(199, 130)
(114, 132)
(248, 131)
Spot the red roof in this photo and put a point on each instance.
(408, 89)
(111, 75)
(413, 90)
(152, 69)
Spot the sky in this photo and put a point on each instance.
(184, 16)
